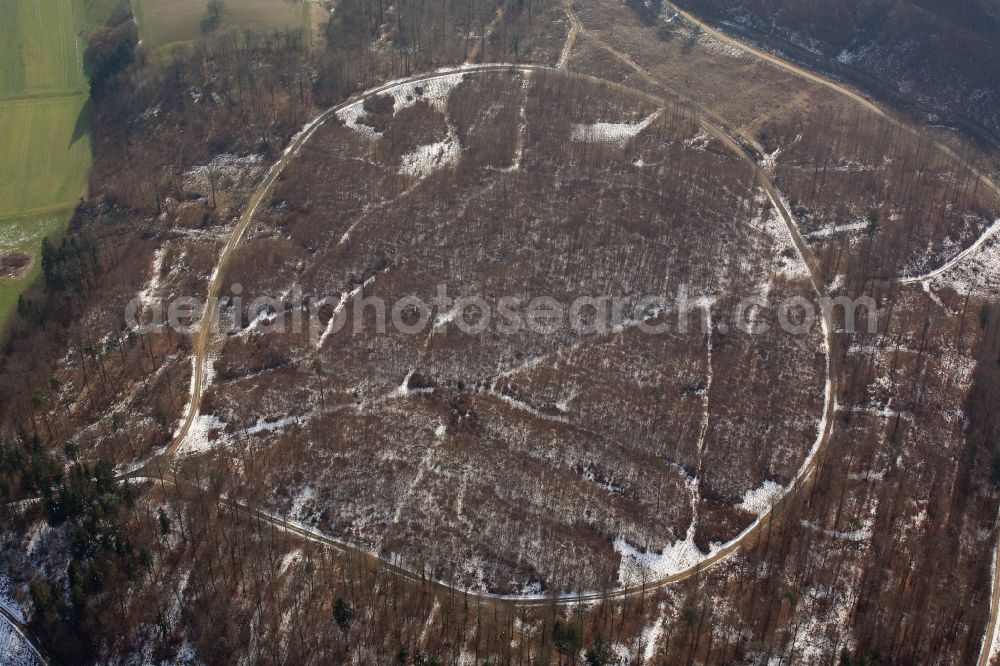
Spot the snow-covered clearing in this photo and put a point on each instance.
(759, 501)
(788, 261)
(225, 171)
(289, 559)
(405, 94)
(638, 567)
(722, 48)
(203, 434)
(304, 496)
(148, 295)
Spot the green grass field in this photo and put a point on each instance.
(40, 51)
(43, 156)
(45, 144)
(165, 23)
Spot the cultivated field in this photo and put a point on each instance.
(165, 23)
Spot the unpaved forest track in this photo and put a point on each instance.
(575, 27)
(487, 33)
(204, 335)
(991, 624)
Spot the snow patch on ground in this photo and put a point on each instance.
(863, 526)
(203, 435)
(335, 317)
(622, 653)
(435, 91)
(722, 48)
(699, 141)
(7, 601)
(202, 426)
(616, 133)
(788, 262)
(759, 501)
(263, 425)
(819, 638)
(305, 496)
(14, 650)
(425, 160)
(637, 567)
(148, 295)
(224, 172)
(289, 559)
(836, 284)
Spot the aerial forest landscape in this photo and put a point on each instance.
(555, 332)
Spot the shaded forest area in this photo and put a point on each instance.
(941, 54)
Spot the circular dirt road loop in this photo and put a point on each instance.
(521, 363)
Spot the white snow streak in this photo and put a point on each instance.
(650, 637)
(833, 231)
